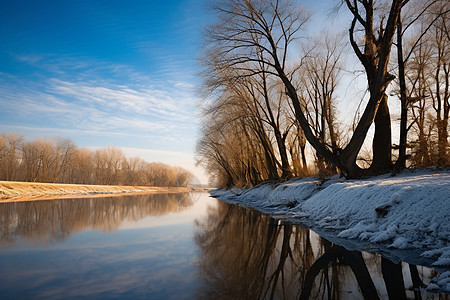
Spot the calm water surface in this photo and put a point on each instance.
(182, 246)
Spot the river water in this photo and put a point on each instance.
(183, 246)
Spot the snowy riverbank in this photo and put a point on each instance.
(396, 213)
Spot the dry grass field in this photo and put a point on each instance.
(25, 191)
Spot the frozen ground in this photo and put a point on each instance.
(399, 216)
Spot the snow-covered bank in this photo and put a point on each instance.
(407, 211)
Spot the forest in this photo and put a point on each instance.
(280, 101)
(59, 160)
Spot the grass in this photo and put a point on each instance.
(24, 191)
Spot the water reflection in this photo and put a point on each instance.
(230, 253)
(247, 255)
(55, 220)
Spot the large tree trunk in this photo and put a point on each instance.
(375, 61)
(381, 162)
(285, 167)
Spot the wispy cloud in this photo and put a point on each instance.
(119, 75)
(160, 104)
(124, 103)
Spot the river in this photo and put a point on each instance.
(183, 246)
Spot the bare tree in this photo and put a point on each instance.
(81, 167)
(10, 145)
(296, 143)
(30, 162)
(108, 165)
(440, 94)
(59, 160)
(321, 75)
(263, 105)
(373, 53)
(65, 149)
(422, 74)
(251, 32)
(427, 16)
(231, 154)
(133, 171)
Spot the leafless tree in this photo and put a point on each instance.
(440, 91)
(59, 160)
(10, 145)
(421, 21)
(233, 153)
(252, 32)
(81, 167)
(108, 163)
(320, 77)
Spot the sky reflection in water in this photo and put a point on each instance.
(180, 246)
(129, 254)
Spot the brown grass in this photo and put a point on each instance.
(11, 191)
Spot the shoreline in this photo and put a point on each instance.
(15, 191)
(403, 213)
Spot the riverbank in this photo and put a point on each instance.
(408, 211)
(11, 191)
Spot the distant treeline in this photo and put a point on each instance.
(61, 161)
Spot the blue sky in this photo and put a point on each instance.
(119, 73)
(103, 72)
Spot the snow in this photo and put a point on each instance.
(410, 210)
(440, 283)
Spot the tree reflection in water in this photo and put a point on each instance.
(54, 220)
(248, 255)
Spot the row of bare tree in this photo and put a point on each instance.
(270, 109)
(61, 161)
